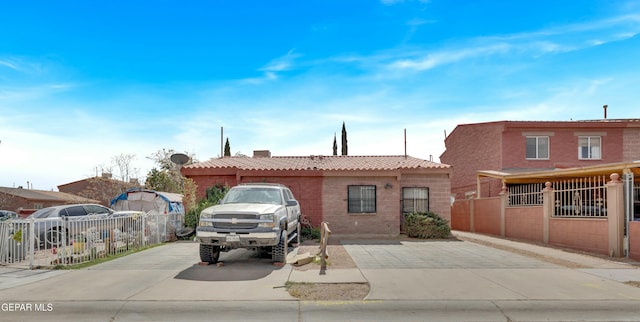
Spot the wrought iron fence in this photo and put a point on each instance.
(43, 243)
(579, 197)
(522, 195)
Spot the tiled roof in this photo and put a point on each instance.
(319, 162)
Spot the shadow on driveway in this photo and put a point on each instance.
(237, 265)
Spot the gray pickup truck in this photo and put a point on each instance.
(257, 216)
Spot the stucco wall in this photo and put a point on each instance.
(585, 234)
(461, 215)
(634, 240)
(524, 223)
(486, 216)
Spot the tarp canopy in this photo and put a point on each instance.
(149, 201)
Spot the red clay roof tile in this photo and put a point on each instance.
(319, 162)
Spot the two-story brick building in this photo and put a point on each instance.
(357, 195)
(525, 146)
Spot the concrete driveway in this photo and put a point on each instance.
(166, 272)
(464, 270)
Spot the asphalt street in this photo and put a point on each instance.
(410, 281)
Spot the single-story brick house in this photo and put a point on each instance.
(356, 195)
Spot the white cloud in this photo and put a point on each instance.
(9, 64)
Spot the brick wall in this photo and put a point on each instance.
(386, 220)
(323, 197)
(631, 144)
(471, 148)
(439, 191)
(563, 147)
(308, 191)
(501, 146)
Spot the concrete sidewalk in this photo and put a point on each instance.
(396, 270)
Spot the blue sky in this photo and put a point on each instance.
(84, 81)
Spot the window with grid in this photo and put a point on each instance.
(589, 147)
(362, 199)
(415, 200)
(537, 147)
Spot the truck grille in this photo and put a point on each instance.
(239, 225)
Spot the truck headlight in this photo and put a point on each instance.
(202, 223)
(267, 221)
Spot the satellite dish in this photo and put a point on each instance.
(179, 158)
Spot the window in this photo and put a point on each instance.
(415, 200)
(589, 147)
(537, 147)
(95, 209)
(362, 199)
(73, 211)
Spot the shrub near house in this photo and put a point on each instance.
(426, 225)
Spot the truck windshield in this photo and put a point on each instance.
(253, 195)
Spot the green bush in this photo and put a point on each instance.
(213, 195)
(309, 233)
(426, 225)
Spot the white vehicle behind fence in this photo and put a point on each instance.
(65, 240)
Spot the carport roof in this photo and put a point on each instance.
(607, 169)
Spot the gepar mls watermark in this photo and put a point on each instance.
(26, 307)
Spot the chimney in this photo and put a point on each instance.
(261, 153)
(106, 175)
(605, 111)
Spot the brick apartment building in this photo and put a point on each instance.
(356, 195)
(525, 146)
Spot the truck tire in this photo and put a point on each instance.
(279, 252)
(209, 253)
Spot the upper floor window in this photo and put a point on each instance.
(589, 147)
(537, 147)
(362, 199)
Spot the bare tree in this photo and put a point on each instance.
(124, 166)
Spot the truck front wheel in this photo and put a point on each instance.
(209, 253)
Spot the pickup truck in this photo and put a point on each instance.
(258, 216)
